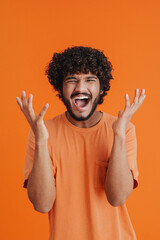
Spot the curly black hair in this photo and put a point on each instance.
(79, 59)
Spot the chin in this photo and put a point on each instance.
(80, 116)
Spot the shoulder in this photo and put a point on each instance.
(54, 122)
(110, 119)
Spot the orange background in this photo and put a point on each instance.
(129, 34)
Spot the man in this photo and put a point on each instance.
(81, 165)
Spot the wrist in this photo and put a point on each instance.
(41, 141)
(121, 134)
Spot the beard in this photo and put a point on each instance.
(69, 109)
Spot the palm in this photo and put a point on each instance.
(36, 121)
(124, 116)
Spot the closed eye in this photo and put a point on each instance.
(90, 80)
(71, 81)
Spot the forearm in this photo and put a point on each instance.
(41, 185)
(119, 180)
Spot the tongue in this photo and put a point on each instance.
(81, 103)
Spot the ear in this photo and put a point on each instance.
(101, 92)
(59, 93)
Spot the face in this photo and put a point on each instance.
(80, 95)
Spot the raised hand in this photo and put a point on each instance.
(36, 121)
(124, 116)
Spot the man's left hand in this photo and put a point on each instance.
(124, 116)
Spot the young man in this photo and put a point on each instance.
(81, 165)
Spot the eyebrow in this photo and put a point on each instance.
(92, 77)
(70, 78)
(86, 77)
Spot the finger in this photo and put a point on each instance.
(135, 101)
(23, 97)
(127, 102)
(21, 107)
(142, 96)
(19, 102)
(30, 98)
(30, 107)
(44, 110)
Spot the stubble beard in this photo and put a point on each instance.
(69, 109)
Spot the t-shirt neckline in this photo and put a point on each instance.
(78, 129)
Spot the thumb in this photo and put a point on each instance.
(44, 110)
(120, 113)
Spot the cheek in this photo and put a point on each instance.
(96, 90)
(67, 91)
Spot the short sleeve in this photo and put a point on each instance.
(131, 142)
(29, 159)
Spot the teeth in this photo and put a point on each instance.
(82, 97)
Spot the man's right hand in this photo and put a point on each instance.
(36, 121)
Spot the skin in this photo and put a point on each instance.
(41, 185)
(119, 181)
(80, 84)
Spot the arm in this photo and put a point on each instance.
(41, 186)
(119, 179)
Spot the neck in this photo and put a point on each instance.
(92, 121)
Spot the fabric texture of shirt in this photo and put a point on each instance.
(79, 159)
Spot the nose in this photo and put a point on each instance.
(80, 86)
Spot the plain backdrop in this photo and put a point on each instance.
(31, 31)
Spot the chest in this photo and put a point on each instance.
(72, 148)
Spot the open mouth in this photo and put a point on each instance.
(81, 102)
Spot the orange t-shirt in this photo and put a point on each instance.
(79, 159)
